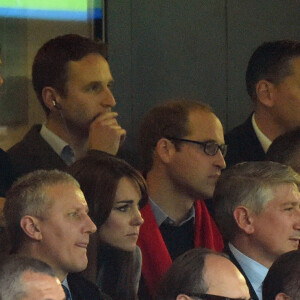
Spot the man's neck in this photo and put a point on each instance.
(266, 123)
(32, 251)
(176, 205)
(249, 248)
(77, 142)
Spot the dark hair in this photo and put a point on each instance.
(285, 149)
(270, 61)
(28, 196)
(11, 271)
(99, 177)
(167, 119)
(283, 277)
(50, 65)
(185, 276)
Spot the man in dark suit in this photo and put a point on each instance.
(47, 219)
(6, 175)
(272, 79)
(72, 81)
(258, 211)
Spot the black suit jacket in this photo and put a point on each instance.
(33, 153)
(82, 289)
(243, 144)
(6, 173)
(235, 262)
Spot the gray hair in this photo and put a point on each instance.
(186, 275)
(11, 272)
(248, 184)
(28, 196)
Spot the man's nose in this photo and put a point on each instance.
(109, 99)
(220, 160)
(90, 225)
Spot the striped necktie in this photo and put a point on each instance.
(67, 292)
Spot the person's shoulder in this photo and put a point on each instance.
(27, 144)
(239, 131)
(81, 288)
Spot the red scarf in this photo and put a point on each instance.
(156, 258)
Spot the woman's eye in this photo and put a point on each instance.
(123, 208)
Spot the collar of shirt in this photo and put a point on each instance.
(65, 283)
(55, 142)
(161, 216)
(255, 271)
(263, 139)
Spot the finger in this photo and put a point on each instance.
(106, 116)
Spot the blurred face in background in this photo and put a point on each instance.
(1, 79)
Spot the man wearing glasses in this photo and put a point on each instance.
(182, 148)
(258, 211)
(203, 274)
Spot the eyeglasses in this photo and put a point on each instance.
(214, 297)
(210, 148)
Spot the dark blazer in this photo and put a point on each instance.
(82, 289)
(235, 262)
(33, 153)
(6, 173)
(243, 144)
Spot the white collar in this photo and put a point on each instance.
(263, 139)
(55, 142)
(254, 271)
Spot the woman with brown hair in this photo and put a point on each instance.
(115, 192)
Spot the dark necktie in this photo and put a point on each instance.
(67, 154)
(67, 292)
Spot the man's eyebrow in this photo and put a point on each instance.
(293, 203)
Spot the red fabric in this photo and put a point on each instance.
(156, 258)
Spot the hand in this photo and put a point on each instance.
(105, 134)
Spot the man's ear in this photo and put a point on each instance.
(50, 97)
(30, 226)
(183, 297)
(282, 296)
(165, 150)
(243, 219)
(265, 91)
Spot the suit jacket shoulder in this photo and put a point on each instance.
(243, 144)
(82, 289)
(33, 153)
(235, 262)
(6, 173)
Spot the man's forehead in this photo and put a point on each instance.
(284, 193)
(205, 124)
(68, 191)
